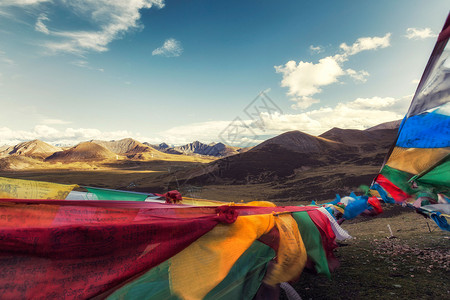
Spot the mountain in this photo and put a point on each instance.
(365, 140)
(163, 147)
(301, 142)
(86, 151)
(387, 125)
(34, 149)
(124, 146)
(296, 165)
(131, 149)
(213, 149)
(278, 157)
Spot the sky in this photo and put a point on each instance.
(237, 72)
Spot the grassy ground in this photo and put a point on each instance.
(107, 174)
(415, 264)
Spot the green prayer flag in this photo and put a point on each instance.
(106, 194)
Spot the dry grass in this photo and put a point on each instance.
(413, 265)
(115, 174)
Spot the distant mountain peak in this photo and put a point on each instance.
(84, 151)
(34, 148)
(302, 142)
(199, 148)
(387, 125)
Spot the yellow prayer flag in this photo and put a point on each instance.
(291, 256)
(196, 270)
(29, 189)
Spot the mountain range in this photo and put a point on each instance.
(127, 148)
(291, 164)
(213, 149)
(337, 141)
(295, 164)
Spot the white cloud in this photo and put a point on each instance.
(85, 64)
(305, 79)
(203, 131)
(358, 75)
(68, 136)
(415, 81)
(419, 34)
(54, 122)
(170, 48)
(40, 26)
(371, 103)
(214, 131)
(80, 63)
(361, 113)
(304, 102)
(366, 43)
(112, 19)
(315, 49)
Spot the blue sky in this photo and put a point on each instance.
(178, 71)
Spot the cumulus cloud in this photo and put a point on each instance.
(68, 136)
(303, 102)
(419, 34)
(366, 43)
(305, 79)
(110, 19)
(371, 103)
(54, 122)
(360, 76)
(229, 132)
(170, 48)
(315, 49)
(203, 131)
(40, 26)
(361, 113)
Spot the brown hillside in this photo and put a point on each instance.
(364, 139)
(85, 151)
(295, 160)
(301, 142)
(279, 157)
(131, 148)
(387, 125)
(16, 162)
(120, 147)
(34, 148)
